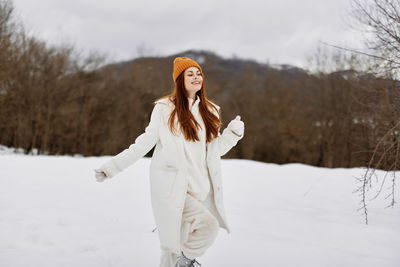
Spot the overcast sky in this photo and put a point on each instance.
(278, 32)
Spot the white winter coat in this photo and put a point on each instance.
(168, 172)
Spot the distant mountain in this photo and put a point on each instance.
(221, 74)
(204, 57)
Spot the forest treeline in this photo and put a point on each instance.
(58, 101)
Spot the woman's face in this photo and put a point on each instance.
(193, 80)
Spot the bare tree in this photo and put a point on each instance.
(380, 19)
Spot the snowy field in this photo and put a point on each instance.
(53, 213)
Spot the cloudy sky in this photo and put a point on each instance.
(278, 32)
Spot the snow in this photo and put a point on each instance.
(54, 213)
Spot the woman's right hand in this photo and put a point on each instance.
(100, 175)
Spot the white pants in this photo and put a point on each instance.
(199, 229)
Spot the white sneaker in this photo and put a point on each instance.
(186, 262)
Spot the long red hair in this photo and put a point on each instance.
(187, 123)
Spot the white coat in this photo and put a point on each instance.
(168, 183)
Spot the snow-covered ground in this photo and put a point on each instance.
(53, 213)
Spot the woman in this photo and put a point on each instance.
(185, 167)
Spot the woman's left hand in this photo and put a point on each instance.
(236, 126)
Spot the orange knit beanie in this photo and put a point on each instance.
(182, 63)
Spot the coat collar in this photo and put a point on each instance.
(191, 104)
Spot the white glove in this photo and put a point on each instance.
(236, 126)
(100, 175)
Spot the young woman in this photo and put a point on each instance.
(185, 171)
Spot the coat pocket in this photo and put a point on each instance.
(163, 180)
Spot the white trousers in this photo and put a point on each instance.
(199, 229)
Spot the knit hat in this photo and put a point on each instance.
(182, 63)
